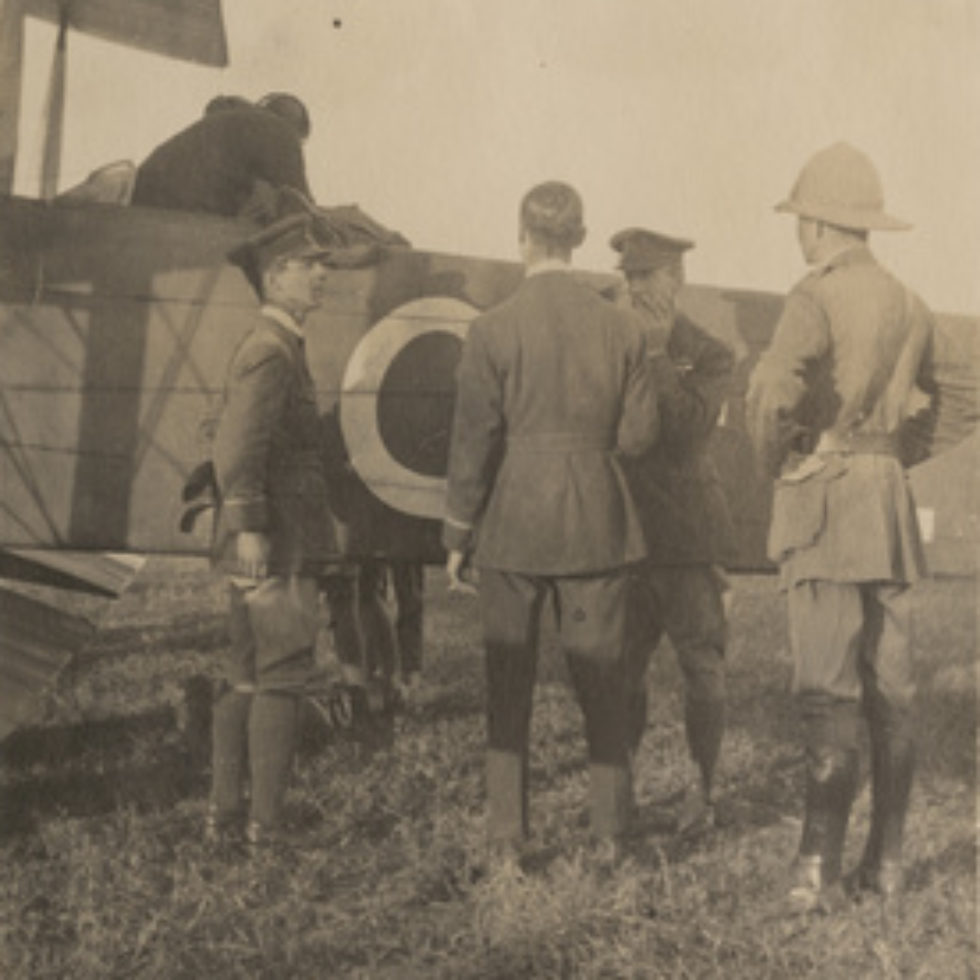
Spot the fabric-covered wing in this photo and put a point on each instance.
(192, 30)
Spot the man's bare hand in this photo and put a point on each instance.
(457, 569)
(253, 549)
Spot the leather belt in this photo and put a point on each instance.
(858, 443)
(558, 442)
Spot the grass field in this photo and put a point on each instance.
(106, 875)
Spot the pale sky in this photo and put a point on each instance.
(688, 116)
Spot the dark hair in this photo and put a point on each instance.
(222, 103)
(289, 108)
(553, 213)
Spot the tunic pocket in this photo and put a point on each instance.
(799, 507)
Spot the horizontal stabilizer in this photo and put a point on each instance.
(84, 571)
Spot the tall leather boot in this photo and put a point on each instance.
(610, 808)
(892, 769)
(831, 782)
(272, 731)
(379, 634)
(637, 707)
(704, 725)
(507, 806)
(408, 579)
(229, 746)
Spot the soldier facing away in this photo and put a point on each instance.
(686, 523)
(552, 385)
(825, 405)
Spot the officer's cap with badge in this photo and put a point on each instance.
(642, 250)
(294, 234)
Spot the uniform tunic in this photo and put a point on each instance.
(836, 382)
(268, 463)
(675, 485)
(825, 404)
(551, 384)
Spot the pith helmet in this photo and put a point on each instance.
(643, 251)
(840, 185)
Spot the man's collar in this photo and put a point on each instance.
(283, 319)
(845, 255)
(547, 265)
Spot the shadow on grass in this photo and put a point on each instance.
(61, 745)
(192, 634)
(146, 762)
(94, 768)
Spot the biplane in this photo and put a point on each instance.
(116, 324)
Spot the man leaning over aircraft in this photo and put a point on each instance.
(686, 523)
(231, 160)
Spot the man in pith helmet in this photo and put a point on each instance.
(686, 523)
(551, 383)
(825, 404)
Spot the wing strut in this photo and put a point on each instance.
(54, 111)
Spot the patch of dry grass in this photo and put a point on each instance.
(106, 874)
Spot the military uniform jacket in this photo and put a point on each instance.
(268, 455)
(851, 345)
(676, 487)
(550, 384)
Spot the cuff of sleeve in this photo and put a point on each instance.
(457, 537)
(245, 515)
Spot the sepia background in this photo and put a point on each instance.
(693, 117)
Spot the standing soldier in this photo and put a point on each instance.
(274, 533)
(824, 408)
(552, 383)
(684, 513)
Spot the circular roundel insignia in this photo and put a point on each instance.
(396, 402)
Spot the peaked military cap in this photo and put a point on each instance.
(643, 251)
(293, 234)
